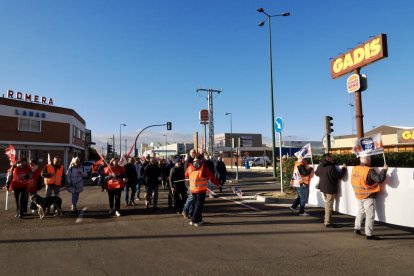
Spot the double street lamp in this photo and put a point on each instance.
(120, 141)
(261, 10)
(231, 135)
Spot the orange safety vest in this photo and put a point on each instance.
(198, 183)
(55, 177)
(359, 183)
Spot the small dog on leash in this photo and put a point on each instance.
(44, 203)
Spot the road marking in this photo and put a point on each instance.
(79, 219)
(237, 202)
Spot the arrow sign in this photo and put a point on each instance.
(278, 124)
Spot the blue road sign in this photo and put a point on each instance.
(278, 124)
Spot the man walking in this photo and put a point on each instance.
(365, 182)
(328, 184)
(53, 177)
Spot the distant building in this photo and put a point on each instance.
(37, 128)
(394, 139)
(252, 145)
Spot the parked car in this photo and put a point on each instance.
(260, 161)
(87, 166)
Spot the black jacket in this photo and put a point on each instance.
(152, 174)
(221, 170)
(177, 176)
(131, 174)
(329, 177)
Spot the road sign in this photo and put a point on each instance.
(325, 141)
(278, 124)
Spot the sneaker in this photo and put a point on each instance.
(304, 214)
(185, 215)
(33, 211)
(117, 213)
(292, 210)
(191, 223)
(331, 225)
(372, 237)
(132, 203)
(357, 232)
(111, 212)
(200, 223)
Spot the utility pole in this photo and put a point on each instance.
(210, 117)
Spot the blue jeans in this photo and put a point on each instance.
(138, 187)
(302, 198)
(189, 205)
(75, 198)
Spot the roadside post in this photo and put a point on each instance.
(278, 128)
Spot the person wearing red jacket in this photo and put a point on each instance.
(115, 183)
(35, 183)
(198, 175)
(19, 181)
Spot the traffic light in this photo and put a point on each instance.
(108, 149)
(169, 125)
(328, 125)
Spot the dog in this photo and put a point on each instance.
(44, 203)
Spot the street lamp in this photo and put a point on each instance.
(261, 10)
(231, 135)
(165, 146)
(120, 141)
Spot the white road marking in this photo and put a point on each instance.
(237, 202)
(79, 219)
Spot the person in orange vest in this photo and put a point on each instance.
(198, 175)
(53, 176)
(19, 182)
(302, 187)
(115, 183)
(365, 182)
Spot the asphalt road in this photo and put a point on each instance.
(239, 238)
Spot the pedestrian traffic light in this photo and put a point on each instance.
(328, 125)
(169, 125)
(108, 148)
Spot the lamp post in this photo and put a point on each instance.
(261, 10)
(120, 141)
(165, 146)
(231, 135)
(290, 146)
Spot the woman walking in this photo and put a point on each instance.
(115, 183)
(74, 177)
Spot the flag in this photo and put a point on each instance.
(11, 154)
(124, 159)
(368, 146)
(96, 165)
(304, 152)
(237, 191)
(296, 178)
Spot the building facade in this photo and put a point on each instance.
(38, 129)
(394, 139)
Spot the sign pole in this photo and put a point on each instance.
(358, 110)
(280, 161)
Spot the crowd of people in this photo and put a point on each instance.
(195, 171)
(198, 172)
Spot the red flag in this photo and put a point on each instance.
(11, 154)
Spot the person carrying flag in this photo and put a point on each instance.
(115, 183)
(301, 180)
(53, 176)
(18, 179)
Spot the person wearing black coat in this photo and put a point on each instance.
(221, 172)
(152, 176)
(131, 184)
(328, 184)
(177, 185)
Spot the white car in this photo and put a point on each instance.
(260, 161)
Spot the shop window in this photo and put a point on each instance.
(29, 125)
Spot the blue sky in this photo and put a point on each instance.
(140, 62)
